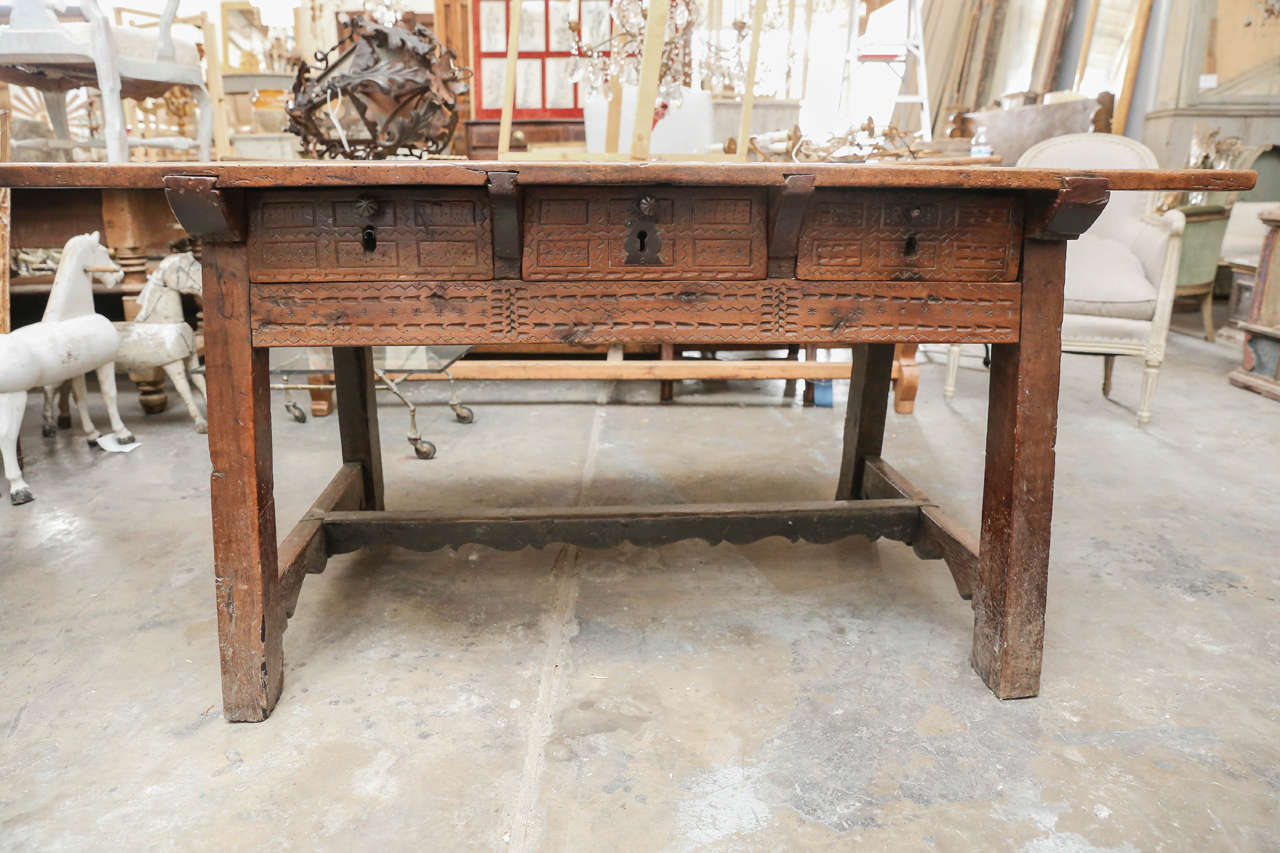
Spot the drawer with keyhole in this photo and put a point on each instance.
(370, 234)
(644, 233)
(908, 235)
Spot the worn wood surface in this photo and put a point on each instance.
(686, 312)
(605, 527)
(303, 550)
(250, 619)
(1017, 499)
(644, 233)
(910, 235)
(319, 235)
(475, 173)
(937, 537)
(474, 370)
(865, 412)
(358, 418)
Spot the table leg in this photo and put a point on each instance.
(358, 418)
(864, 415)
(906, 378)
(1017, 500)
(250, 621)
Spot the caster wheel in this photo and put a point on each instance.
(296, 412)
(464, 415)
(423, 449)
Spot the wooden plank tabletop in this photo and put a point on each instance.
(473, 173)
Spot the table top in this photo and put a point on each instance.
(314, 173)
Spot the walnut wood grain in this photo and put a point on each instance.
(1017, 498)
(250, 617)
(358, 418)
(507, 312)
(910, 235)
(605, 527)
(474, 173)
(303, 550)
(600, 234)
(864, 417)
(318, 235)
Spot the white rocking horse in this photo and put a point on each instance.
(159, 336)
(67, 343)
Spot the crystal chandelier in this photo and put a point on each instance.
(617, 58)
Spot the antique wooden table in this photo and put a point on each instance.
(355, 255)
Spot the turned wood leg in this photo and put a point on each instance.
(1206, 312)
(906, 378)
(1017, 499)
(667, 387)
(250, 620)
(789, 389)
(321, 401)
(358, 418)
(864, 415)
(149, 380)
(810, 356)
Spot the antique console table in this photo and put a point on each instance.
(355, 255)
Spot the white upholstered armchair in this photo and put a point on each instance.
(39, 50)
(1122, 273)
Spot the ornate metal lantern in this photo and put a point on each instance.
(389, 90)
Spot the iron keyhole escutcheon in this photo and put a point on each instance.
(642, 242)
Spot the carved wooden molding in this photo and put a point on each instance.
(521, 312)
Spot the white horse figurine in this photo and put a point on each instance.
(67, 343)
(159, 337)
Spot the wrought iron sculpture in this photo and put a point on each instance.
(389, 90)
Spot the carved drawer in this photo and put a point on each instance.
(644, 233)
(909, 235)
(370, 234)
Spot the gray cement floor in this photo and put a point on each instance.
(768, 697)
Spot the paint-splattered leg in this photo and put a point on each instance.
(81, 394)
(177, 374)
(48, 426)
(107, 383)
(197, 379)
(12, 407)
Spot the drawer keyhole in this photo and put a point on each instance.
(369, 239)
(642, 237)
(911, 248)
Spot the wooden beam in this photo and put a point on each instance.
(938, 537)
(509, 81)
(819, 522)
(655, 36)
(774, 368)
(749, 86)
(303, 551)
(1137, 37)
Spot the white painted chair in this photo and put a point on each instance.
(1122, 273)
(39, 50)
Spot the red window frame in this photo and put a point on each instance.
(574, 112)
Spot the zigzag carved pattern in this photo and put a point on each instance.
(327, 314)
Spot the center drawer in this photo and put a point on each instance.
(910, 235)
(644, 233)
(370, 234)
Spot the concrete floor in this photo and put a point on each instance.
(691, 697)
